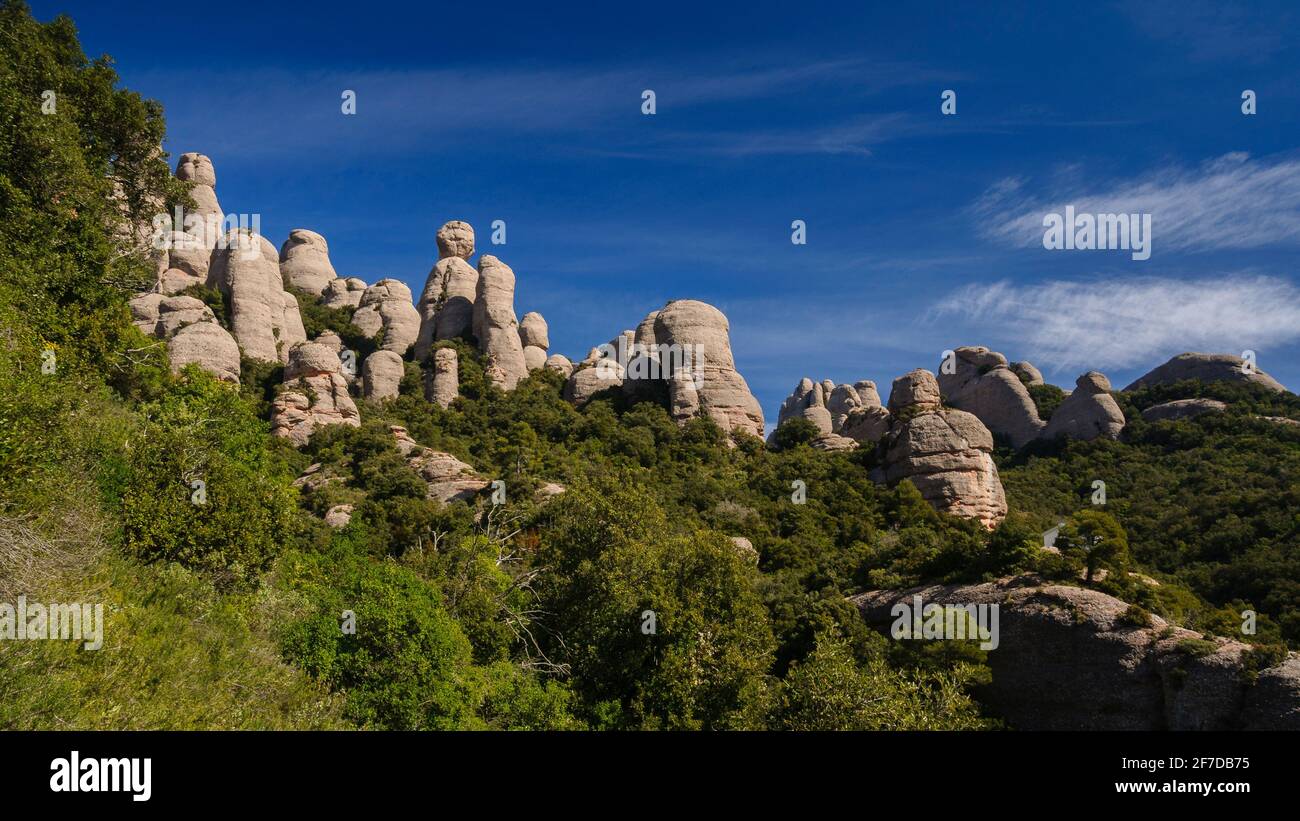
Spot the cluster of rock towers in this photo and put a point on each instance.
(936, 431)
(260, 288)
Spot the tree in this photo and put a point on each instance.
(1096, 539)
(660, 626)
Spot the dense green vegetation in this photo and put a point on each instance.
(1211, 504)
(623, 603)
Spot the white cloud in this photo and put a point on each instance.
(1126, 323)
(1231, 202)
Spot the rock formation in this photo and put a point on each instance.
(204, 220)
(945, 453)
(185, 262)
(533, 331)
(984, 385)
(1182, 409)
(711, 386)
(343, 293)
(808, 401)
(455, 239)
(535, 339)
(560, 364)
(448, 478)
(443, 386)
(495, 325)
(447, 303)
(1207, 367)
(1027, 373)
(315, 394)
(264, 317)
(1069, 658)
(305, 262)
(207, 345)
(845, 415)
(1088, 412)
(590, 378)
(386, 306)
(191, 332)
(381, 374)
(339, 516)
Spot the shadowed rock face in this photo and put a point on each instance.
(983, 384)
(447, 303)
(1089, 412)
(722, 393)
(1208, 367)
(945, 453)
(386, 306)
(1069, 659)
(305, 262)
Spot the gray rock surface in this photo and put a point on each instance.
(1207, 367)
(387, 306)
(716, 388)
(208, 345)
(1089, 412)
(305, 262)
(315, 394)
(381, 374)
(495, 325)
(1070, 658)
(984, 385)
(446, 304)
(455, 239)
(534, 331)
(443, 386)
(343, 293)
(560, 364)
(1182, 409)
(945, 453)
(264, 318)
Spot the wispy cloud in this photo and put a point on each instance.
(1127, 323)
(1230, 202)
(272, 111)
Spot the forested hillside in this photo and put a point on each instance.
(628, 599)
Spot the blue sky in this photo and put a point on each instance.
(923, 230)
